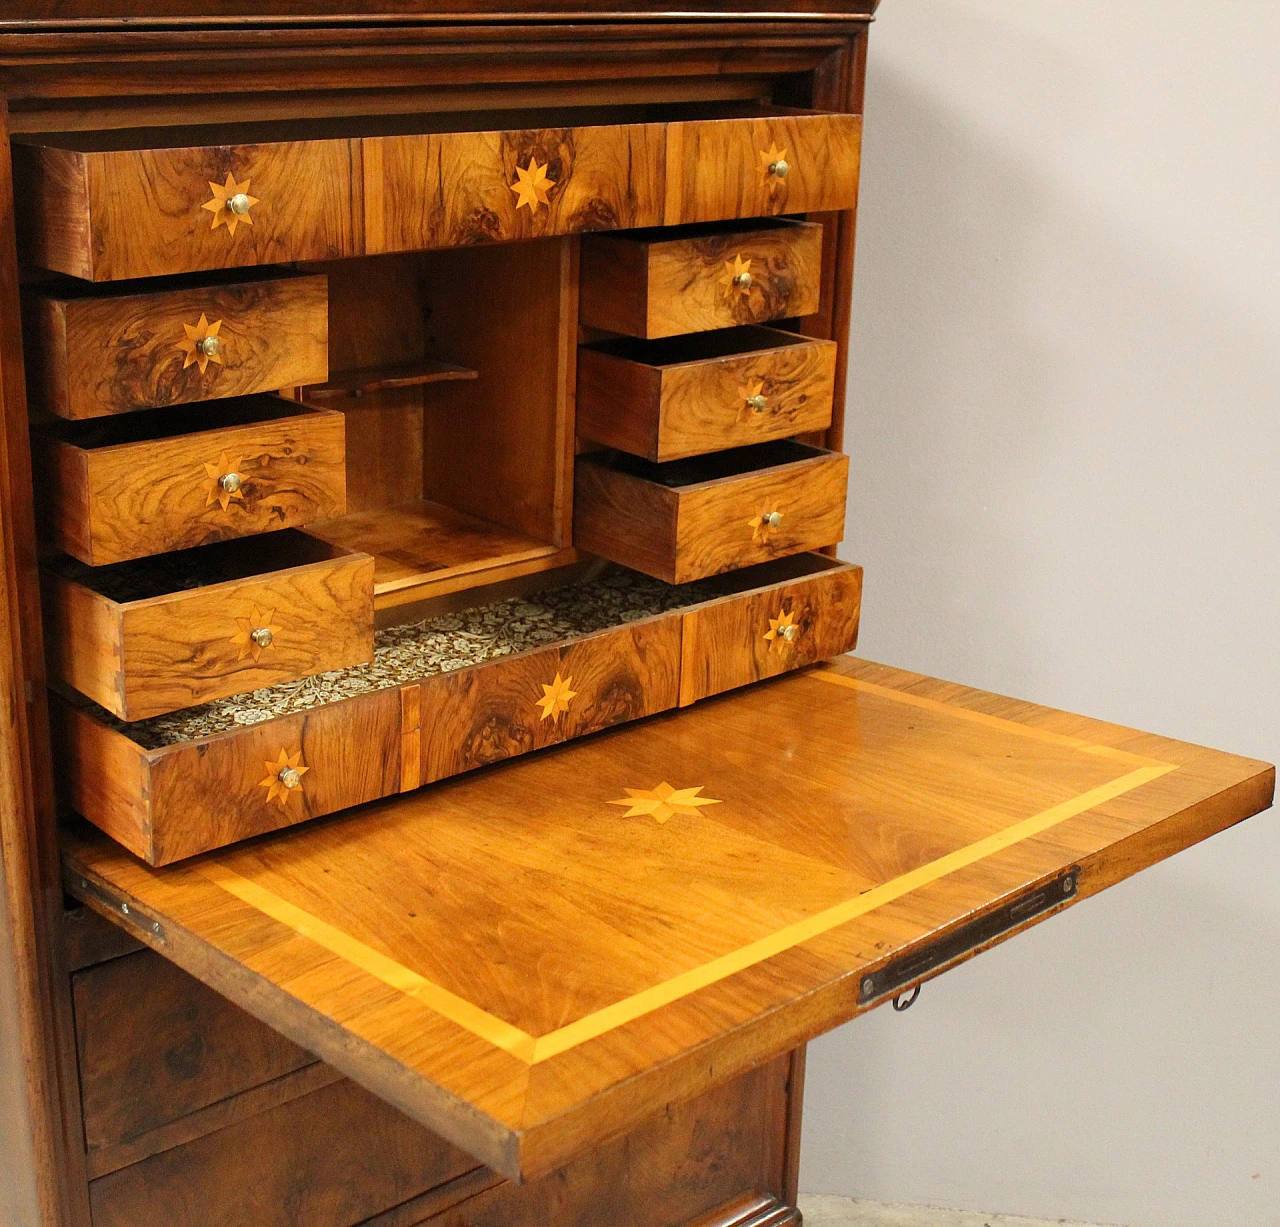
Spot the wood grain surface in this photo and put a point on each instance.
(668, 400)
(668, 282)
(132, 487)
(89, 355)
(455, 189)
(716, 168)
(535, 959)
(146, 657)
(682, 532)
(109, 213)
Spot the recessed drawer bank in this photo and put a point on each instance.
(444, 696)
(145, 202)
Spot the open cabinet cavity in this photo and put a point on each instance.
(454, 373)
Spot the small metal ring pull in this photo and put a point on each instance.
(290, 777)
(211, 347)
(900, 1005)
(779, 168)
(230, 482)
(239, 204)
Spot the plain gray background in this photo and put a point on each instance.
(1064, 396)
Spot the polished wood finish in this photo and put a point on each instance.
(724, 910)
(110, 206)
(410, 374)
(132, 486)
(711, 514)
(134, 657)
(94, 354)
(156, 1045)
(662, 283)
(670, 399)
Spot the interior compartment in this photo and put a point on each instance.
(714, 466)
(696, 346)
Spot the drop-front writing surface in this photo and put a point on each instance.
(536, 958)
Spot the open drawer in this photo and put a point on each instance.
(534, 959)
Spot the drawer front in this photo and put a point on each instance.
(767, 631)
(150, 657)
(94, 356)
(688, 533)
(333, 1158)
(690, 408)
(132, 500)
(460, 188)
(107, 215)
(726, 168)
(156, 1045)
(476, 716)
(693, 284)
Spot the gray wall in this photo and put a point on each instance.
(1064, 395)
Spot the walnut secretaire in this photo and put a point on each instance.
(405, 389)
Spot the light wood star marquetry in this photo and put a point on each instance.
(664, 802)
(532, 185)
(193, 349)
(284, 777)
(220, 491)
(220, 205)
(782, 630)
(764, 524)
(556, 698)
(257, 633)
(769, 158)
(736, 277)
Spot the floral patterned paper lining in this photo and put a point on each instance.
(437, 645)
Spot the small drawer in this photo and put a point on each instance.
(90, 353)
(684, 396)
(762, 165)
(149, 637)
(688, 519)
(662, 283)
(155, 1045)
(145, 483)
(110, 205)
(495, 185)
(769, 619)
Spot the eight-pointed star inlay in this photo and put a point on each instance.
(283, 777)
(222, 214)
(763, 525)
(733, 269)
(532, 185)
(217, 492)
(556, 697)
(771, 157)
(191, 348)
(664, 801)
(258, 620)
(777, 634)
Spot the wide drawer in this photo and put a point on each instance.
(145, 483)
(761, 165)
(453, 189)
(147, 202)
(661, 283)
(537, 958)
(148, 637)
(90, 353)
(440, 697)
(688, 519)
(685, 396)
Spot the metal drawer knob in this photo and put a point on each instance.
(240, 204)
(779, 168)
(772, 520)
(262, 636)
(743, 281)
(290, 777)
(210, 347)
(757, 403)
(789, 633)
(230, 482)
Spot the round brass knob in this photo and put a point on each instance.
(779, 168)
(239, 203)
(743, 281)
(211, 347)
(772, 520)
(230, 482)
(262, 636)
(789, 633)
(290, 777)
(757, 403)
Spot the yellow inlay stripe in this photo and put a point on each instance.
(479, 1022)
(827, 674)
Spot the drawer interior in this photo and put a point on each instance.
(696, 347)
(715, 466)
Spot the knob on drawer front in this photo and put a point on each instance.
(764, 524)
(783, 630)
(283, 780)
(231, 204)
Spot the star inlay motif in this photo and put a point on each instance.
(768, 157)
(257, 620)
(222, 215)
(532, 185)
(664, 801)
(217, 493)
(556, 697)
(778, 628)
(761, 525)
(733, 269)
(749, 391)
(190, 347)
(274, 781)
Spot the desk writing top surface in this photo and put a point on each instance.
(533, 957)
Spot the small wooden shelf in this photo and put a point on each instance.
(380, 378)
(424, 549)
